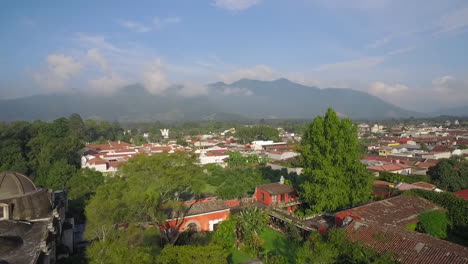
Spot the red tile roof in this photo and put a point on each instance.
(426, 164)
(389, 167)
(399, 210)
(425, 185)
(407, 246)
(462, 194)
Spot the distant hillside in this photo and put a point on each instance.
(240, 100)
(456, 111)
(285, 99)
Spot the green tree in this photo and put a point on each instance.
(450, 175)
(210, 254)
(225, 235)
(56, 175)
(433, 223)
(457, 209)
(77, 126)
(334, 248)
(132, 245)
(248, 134)
(149, 189)
(238, 160)
(250, 223)
(84, 183)
(105, 210)
(236, 183)
(334, 176)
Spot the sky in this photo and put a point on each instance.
(411, 53)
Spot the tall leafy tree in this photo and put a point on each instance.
(450, 175)
(334, 176)
(151, 189)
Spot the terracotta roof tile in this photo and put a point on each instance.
(407, 246)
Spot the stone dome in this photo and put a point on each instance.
(14, 184)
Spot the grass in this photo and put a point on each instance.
(274, 243)
(209, 189)
(412, 226)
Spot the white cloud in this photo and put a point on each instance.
(383, 89)
(97, 41)
(191, 89)
(235, 5)
(95, 56)
(155, 24)
(450, 89)
(258, 72)
(107, 84)
(154, 78)
(59, 69)
(110, 82)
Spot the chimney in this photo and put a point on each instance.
(281, 180)
(119, 142)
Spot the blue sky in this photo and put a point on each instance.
(411, 53)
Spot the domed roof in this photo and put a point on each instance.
(15, 184)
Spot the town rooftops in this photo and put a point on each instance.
(426, 164)
(389, 167)
(400, 210)
(407, 246)
(276, 188)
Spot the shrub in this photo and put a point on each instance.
(433, 223)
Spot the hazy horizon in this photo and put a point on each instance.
(411, 54)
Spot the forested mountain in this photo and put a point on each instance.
(240, 100)
(455, 111)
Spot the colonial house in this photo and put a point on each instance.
(201, 216)
(275, 194)
(32, 222)
(393, 168)
(281, 154)
(213, 158)
(385, 151)
(437, 155)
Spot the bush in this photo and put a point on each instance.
(457, 208)
(393, 177)
(433, 223)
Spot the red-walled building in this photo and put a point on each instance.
(203, 215)
(275, 193)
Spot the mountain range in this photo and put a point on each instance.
(243, 99)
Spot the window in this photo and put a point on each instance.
(273, 198)
(282, 198)
(263, 196)
(4, 213)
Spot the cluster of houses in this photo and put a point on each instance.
(107, 158)
(379, 225)
(382, 225)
